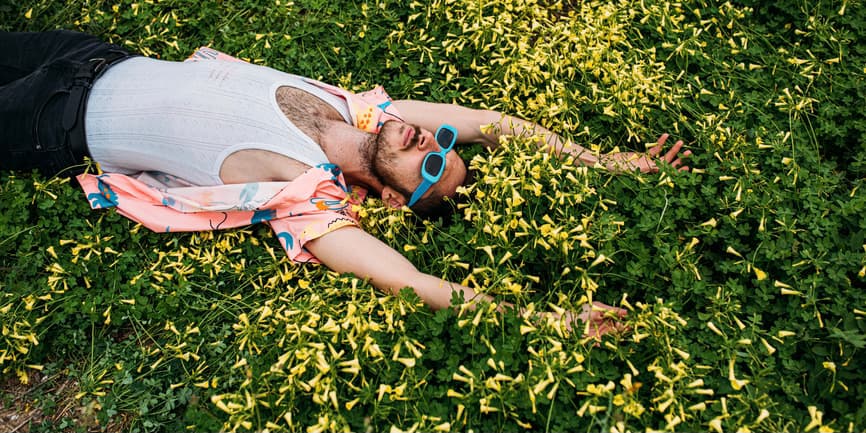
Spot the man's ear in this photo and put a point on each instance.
(392, 198)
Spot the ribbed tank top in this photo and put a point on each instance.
(185, 118)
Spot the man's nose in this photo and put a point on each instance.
(427, 141)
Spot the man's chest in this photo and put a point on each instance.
(308, 112)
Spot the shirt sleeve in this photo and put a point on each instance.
(369, 110)
(379, 109)
(315, 203)
(330, 208)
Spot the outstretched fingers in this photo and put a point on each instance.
(600, 319)
(673, 155)
(601, 311)
(677, 163)
(598, 329)
(660, 144)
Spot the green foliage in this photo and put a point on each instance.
(744, 278)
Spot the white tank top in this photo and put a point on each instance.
(185, 118)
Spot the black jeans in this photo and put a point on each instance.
(44, 82)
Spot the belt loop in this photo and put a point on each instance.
(73, 104)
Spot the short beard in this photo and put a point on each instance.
(378, 159)
(368, 150)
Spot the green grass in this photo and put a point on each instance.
(744, 278)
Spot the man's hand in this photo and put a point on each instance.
(595, 320)
(647, 162)
(599, 319)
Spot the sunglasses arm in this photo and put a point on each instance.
(419, 192)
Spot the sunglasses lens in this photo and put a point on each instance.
(433, 164)
(445, 138)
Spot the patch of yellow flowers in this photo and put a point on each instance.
(541, 61)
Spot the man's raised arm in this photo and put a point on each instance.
(472, 127)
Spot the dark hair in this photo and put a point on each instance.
(441, 206)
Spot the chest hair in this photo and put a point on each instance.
(309, 113)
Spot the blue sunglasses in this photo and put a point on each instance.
(434, 163)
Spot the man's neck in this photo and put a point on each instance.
(344, 145)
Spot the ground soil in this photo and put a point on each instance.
(47, 400)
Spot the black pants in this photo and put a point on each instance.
(44, 82)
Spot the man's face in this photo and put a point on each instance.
(400, 151)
